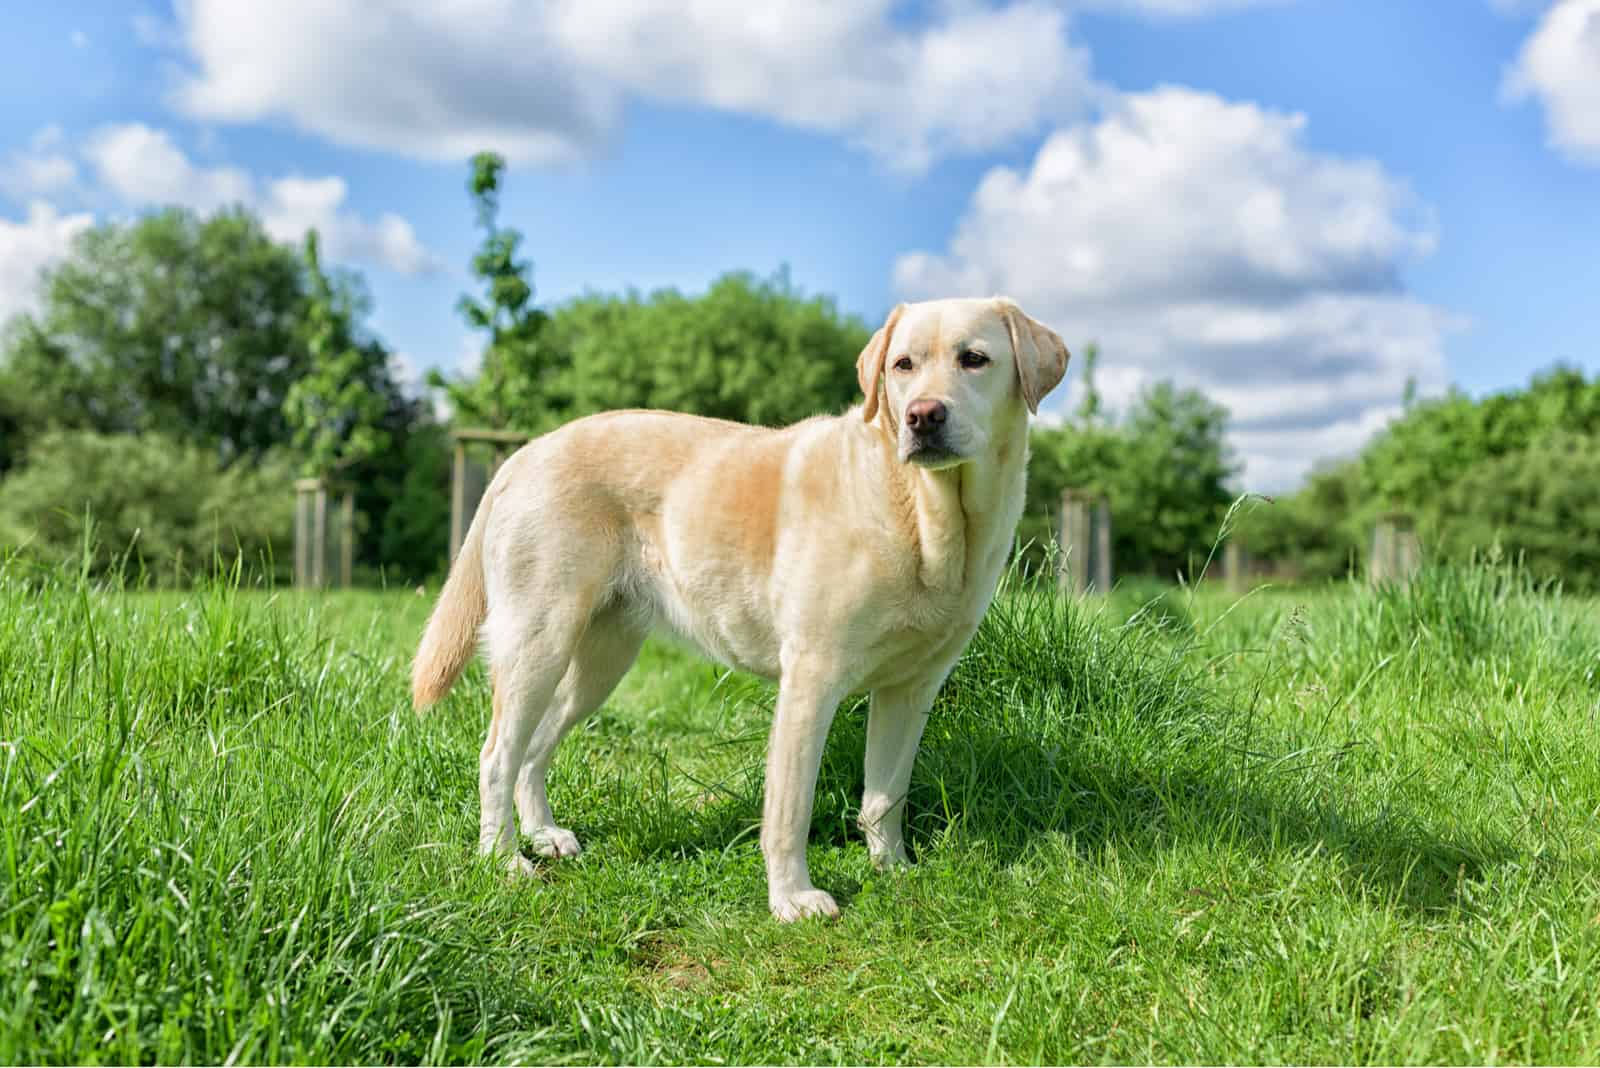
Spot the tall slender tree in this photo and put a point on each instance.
(338, 408)
(518, 383)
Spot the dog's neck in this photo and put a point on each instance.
(956, 513)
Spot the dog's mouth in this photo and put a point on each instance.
(931, 454)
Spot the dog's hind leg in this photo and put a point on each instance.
(528, 656)
(604, 654)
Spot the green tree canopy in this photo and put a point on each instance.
(172, 323)
(206, 336)
(748, 349)
(1515, 470)
(337, 409)
(1164, 467)
(1410, 463)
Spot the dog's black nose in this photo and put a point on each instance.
(925, 416)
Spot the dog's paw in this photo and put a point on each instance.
(891, 859)
(520, 867)
(802, 904)
(553, 841)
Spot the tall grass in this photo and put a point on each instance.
(1354, 826)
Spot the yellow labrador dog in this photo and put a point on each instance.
(841, 554)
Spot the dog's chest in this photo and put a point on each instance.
(929, 631)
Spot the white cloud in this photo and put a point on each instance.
(1176, 8)
(142, 166)
(974, 80)
(1200, 240)
(29, 246)
(40, 170)
(1560, 66)
(436, 81)
(79, 39)
(294, 205)
(548, 83)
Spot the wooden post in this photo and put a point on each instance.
(319, 538)
(1396, 553)
(302, 533)
(1234, 561)
(1074, 559)
(503, 442)
(347, 539)
(1085, 543)
(1102, 561)
(312, 541)
(458, 499)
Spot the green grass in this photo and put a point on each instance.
(1346, 826)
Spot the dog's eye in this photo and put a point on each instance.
(973, 360)
(903, 363)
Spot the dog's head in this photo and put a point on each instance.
(944, 371)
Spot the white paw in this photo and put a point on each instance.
(520, 867)
(891, 859)
(788, 908)
(553, 841)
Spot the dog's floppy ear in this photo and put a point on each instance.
(869, 365)
(1040, 353)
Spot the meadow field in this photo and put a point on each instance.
(1343, 825)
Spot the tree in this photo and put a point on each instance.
(1539, 505)
(1322, 529)
(168, 323)
(517, 383)
(1417, 456)
(337, 409)
(1172, 487)
(223, 343)
(755, 351)
(1164, 468)
(1515, 470)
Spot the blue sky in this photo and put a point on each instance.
(1296, 205)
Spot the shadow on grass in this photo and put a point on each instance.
(1058, 723)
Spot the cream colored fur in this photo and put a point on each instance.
(841, 554)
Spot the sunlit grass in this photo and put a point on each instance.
(1348, 825)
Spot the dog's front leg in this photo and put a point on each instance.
(894, 729)
(807, 700)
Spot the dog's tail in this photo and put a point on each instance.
(452, 634)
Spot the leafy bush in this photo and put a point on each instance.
(101, 502)
(1515, 470)
(1320, 532)
(1539, 505)
(748, 349)
(1164, 468)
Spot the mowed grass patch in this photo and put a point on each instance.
(1348, 825)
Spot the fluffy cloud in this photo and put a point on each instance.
(293, 205)
(1560, 66)
(29, 246)
(547, 83)
(142, 166)
(1199, 239)
(40, 170)
(972, 81)
(1175, 8)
